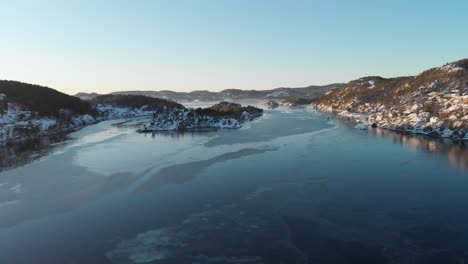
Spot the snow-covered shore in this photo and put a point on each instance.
(433, 103)
(412, 118)
(18, 125)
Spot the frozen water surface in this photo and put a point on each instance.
(290, 187)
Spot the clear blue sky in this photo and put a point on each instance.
(104, 45)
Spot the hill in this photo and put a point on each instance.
(42, 100)
(135, 101)
(309, 92)
(433, 102)
(221, 115)
(228, 109)
(29, 111)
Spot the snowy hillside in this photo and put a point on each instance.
(434, 102)
(18, 124)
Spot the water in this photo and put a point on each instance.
(290, 187)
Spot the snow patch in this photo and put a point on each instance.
(452, 68)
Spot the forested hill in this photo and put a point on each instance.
(42, 100)
(135, 101)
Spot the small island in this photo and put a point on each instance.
(271, 104)
(221, 115)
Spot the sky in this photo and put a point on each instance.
(104, 46)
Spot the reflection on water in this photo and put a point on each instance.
(266, 129)
(456, 151)
(180, 134)
(19, 154)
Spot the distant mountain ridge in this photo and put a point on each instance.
(134, 101)
(309, 92)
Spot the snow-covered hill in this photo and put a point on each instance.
(434, 102)
(18, 124)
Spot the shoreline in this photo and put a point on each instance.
(62, 133)
(359, 121)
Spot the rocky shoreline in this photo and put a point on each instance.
(364, 121)
(433, 103)
(18, 126)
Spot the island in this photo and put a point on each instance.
(221, 115)
(270, 104)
